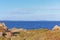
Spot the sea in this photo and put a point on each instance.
(31, 24)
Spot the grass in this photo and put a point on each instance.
(39, 34)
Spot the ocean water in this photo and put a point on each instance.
(31, 24)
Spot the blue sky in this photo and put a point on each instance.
(30, 10)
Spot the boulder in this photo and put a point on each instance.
(3, 27)
(56, 27)
(17, 30)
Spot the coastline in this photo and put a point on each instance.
(34, 34)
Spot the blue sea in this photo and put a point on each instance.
(31, 24)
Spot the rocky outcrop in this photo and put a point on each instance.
(17, 30)
(14, 30)
(56, 27)
(3, 29)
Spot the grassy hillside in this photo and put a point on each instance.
(39, 34)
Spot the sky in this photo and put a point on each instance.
(30, 10)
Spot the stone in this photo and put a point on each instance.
(56, 27)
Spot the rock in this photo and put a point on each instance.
(3, 29)
(17, 30)
(14, 30)
(56, 27)
(1, 33)
(8, 34)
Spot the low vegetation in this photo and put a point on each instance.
(40, 34)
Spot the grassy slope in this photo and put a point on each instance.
(40, 34)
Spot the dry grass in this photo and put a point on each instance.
(40, 34)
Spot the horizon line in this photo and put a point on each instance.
(29, 20)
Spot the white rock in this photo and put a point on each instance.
(56, 27)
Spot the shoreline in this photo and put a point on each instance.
(34, 34)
